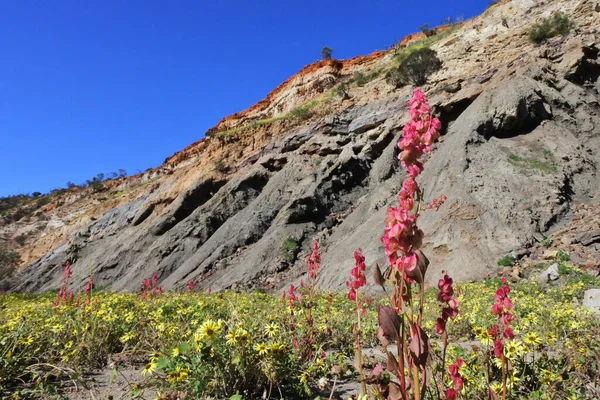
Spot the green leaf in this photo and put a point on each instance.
(163, 362)
(236, 397)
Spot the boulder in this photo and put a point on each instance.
(591, 300)
(587, 238)
(550, 274)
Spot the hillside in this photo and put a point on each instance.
(316, 160)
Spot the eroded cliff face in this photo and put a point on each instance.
(519, 150)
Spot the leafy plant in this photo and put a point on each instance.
(546, 165)
(546, 241)
(563, 256)
(289, 248)
(507, 261)
(564, 269)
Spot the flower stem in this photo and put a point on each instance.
(359, 360)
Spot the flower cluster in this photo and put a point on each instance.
(418, 135)
(450, 310)
(503, 309)
(150, 286)
(190, 286)
(87, 289)
(313, 261)
(436, 203)
(291, 296)
(401, 236)
(63, 296)
(454, 371)
(357, 275)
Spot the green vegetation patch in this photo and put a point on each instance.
(557, 24)
(222, 344)
(546, 164)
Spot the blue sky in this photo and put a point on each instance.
(97, 85)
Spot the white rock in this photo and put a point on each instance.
(550, 274)
(591, 300)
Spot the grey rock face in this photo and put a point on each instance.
(510, 162)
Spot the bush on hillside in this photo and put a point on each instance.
(301, 113)
(362, 79)
(557, 24)
(425, 29)
(418, 66)
(21, 239)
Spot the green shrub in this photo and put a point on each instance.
(418, 66)
(362, 79)
(301, 113)
(326, 53)
(41, 202)
(561, 24)
(220, 166)
(425, 29)
(540, 32)
(341, 90)
(564, 269)
(563, 256)
(21, 239)
(557, 24)
(289, 247)
(507, 261)
(546, 241)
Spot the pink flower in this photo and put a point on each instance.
(87, 289)
(498, 347)
(313, 261)
(445, 296)
(190, 286)
(450, 394)
(357, 275)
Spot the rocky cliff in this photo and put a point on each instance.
(519, 152)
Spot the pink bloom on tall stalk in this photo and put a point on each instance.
(503, 309)
(190, 286)
(450, 309)
(63, 296)
(313, 261)
(357, 275)
(454, 371)
(401, 236)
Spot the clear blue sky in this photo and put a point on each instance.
(97, 85)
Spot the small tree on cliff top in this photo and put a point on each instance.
(326, 53)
